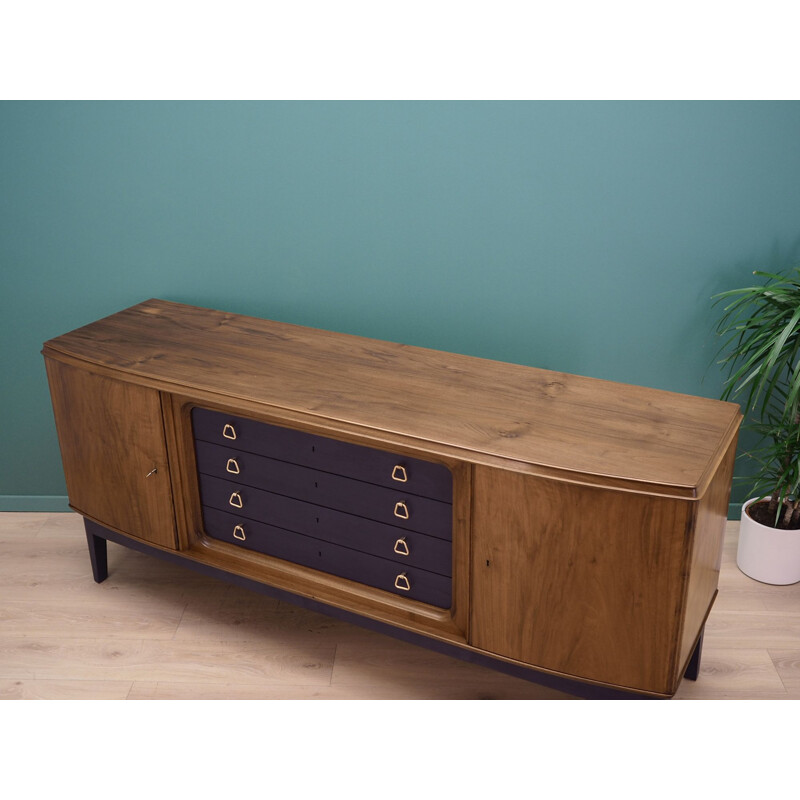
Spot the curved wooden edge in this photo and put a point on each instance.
(388, 439)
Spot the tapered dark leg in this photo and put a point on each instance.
(98, 553)
(693, 668)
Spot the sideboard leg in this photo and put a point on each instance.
(98, 553)
(693, 668)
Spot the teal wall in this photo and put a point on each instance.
(583, 237)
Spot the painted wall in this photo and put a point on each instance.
(583, 237)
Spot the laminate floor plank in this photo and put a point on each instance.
(734, 673)
(64, 690)
(21, 524)
(387, 664)
(101, 616)
(425, 689)
(153, 660)
(782, 599)
(146, 690)
(154, 630)
(738, 601)
(787, 663)
(764, 630)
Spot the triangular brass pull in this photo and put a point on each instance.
(401, 510)
(401, 547)
(401, 582)
(399, 474)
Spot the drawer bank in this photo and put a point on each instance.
(561, 528)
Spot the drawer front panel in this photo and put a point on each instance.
(411, 475)
(387, 541)
(389, 506)
(334, 559)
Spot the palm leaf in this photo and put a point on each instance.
(759, 330)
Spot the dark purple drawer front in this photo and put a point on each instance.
(334, 559)
(389, 506)
(387, 541)
(411, 475)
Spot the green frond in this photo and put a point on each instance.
(759, 330)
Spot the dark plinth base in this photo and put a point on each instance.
(98, 537)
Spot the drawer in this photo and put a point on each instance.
(412, 582)
(412, 475)
(387, 541)
(389, 506)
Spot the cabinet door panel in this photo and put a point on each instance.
(114, 453)
(579, 580)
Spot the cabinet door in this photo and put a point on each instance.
(112, 442)
(579, 580)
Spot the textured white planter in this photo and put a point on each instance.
(767, 554)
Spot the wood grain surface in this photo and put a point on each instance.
(704, 550)
(114, 452)
(156, 631)
(580, 428)
(579, 580)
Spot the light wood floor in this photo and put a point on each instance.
(154, 630)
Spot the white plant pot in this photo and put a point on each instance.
(767, 554)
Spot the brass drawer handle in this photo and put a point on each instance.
(238, 533)
(399, 474)
(401, 510)
(232, 466)
(236, 500)
(229, 431)
(401, 582)
(401, 547)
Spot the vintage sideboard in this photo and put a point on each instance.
(564, 528)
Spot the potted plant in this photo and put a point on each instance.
(760, 326)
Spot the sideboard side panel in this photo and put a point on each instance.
(578, 580)
(113, 449)
(706, 554)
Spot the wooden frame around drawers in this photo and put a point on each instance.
(447, 624)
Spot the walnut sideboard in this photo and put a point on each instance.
(563, 528)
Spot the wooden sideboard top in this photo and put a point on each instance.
(578, 428)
